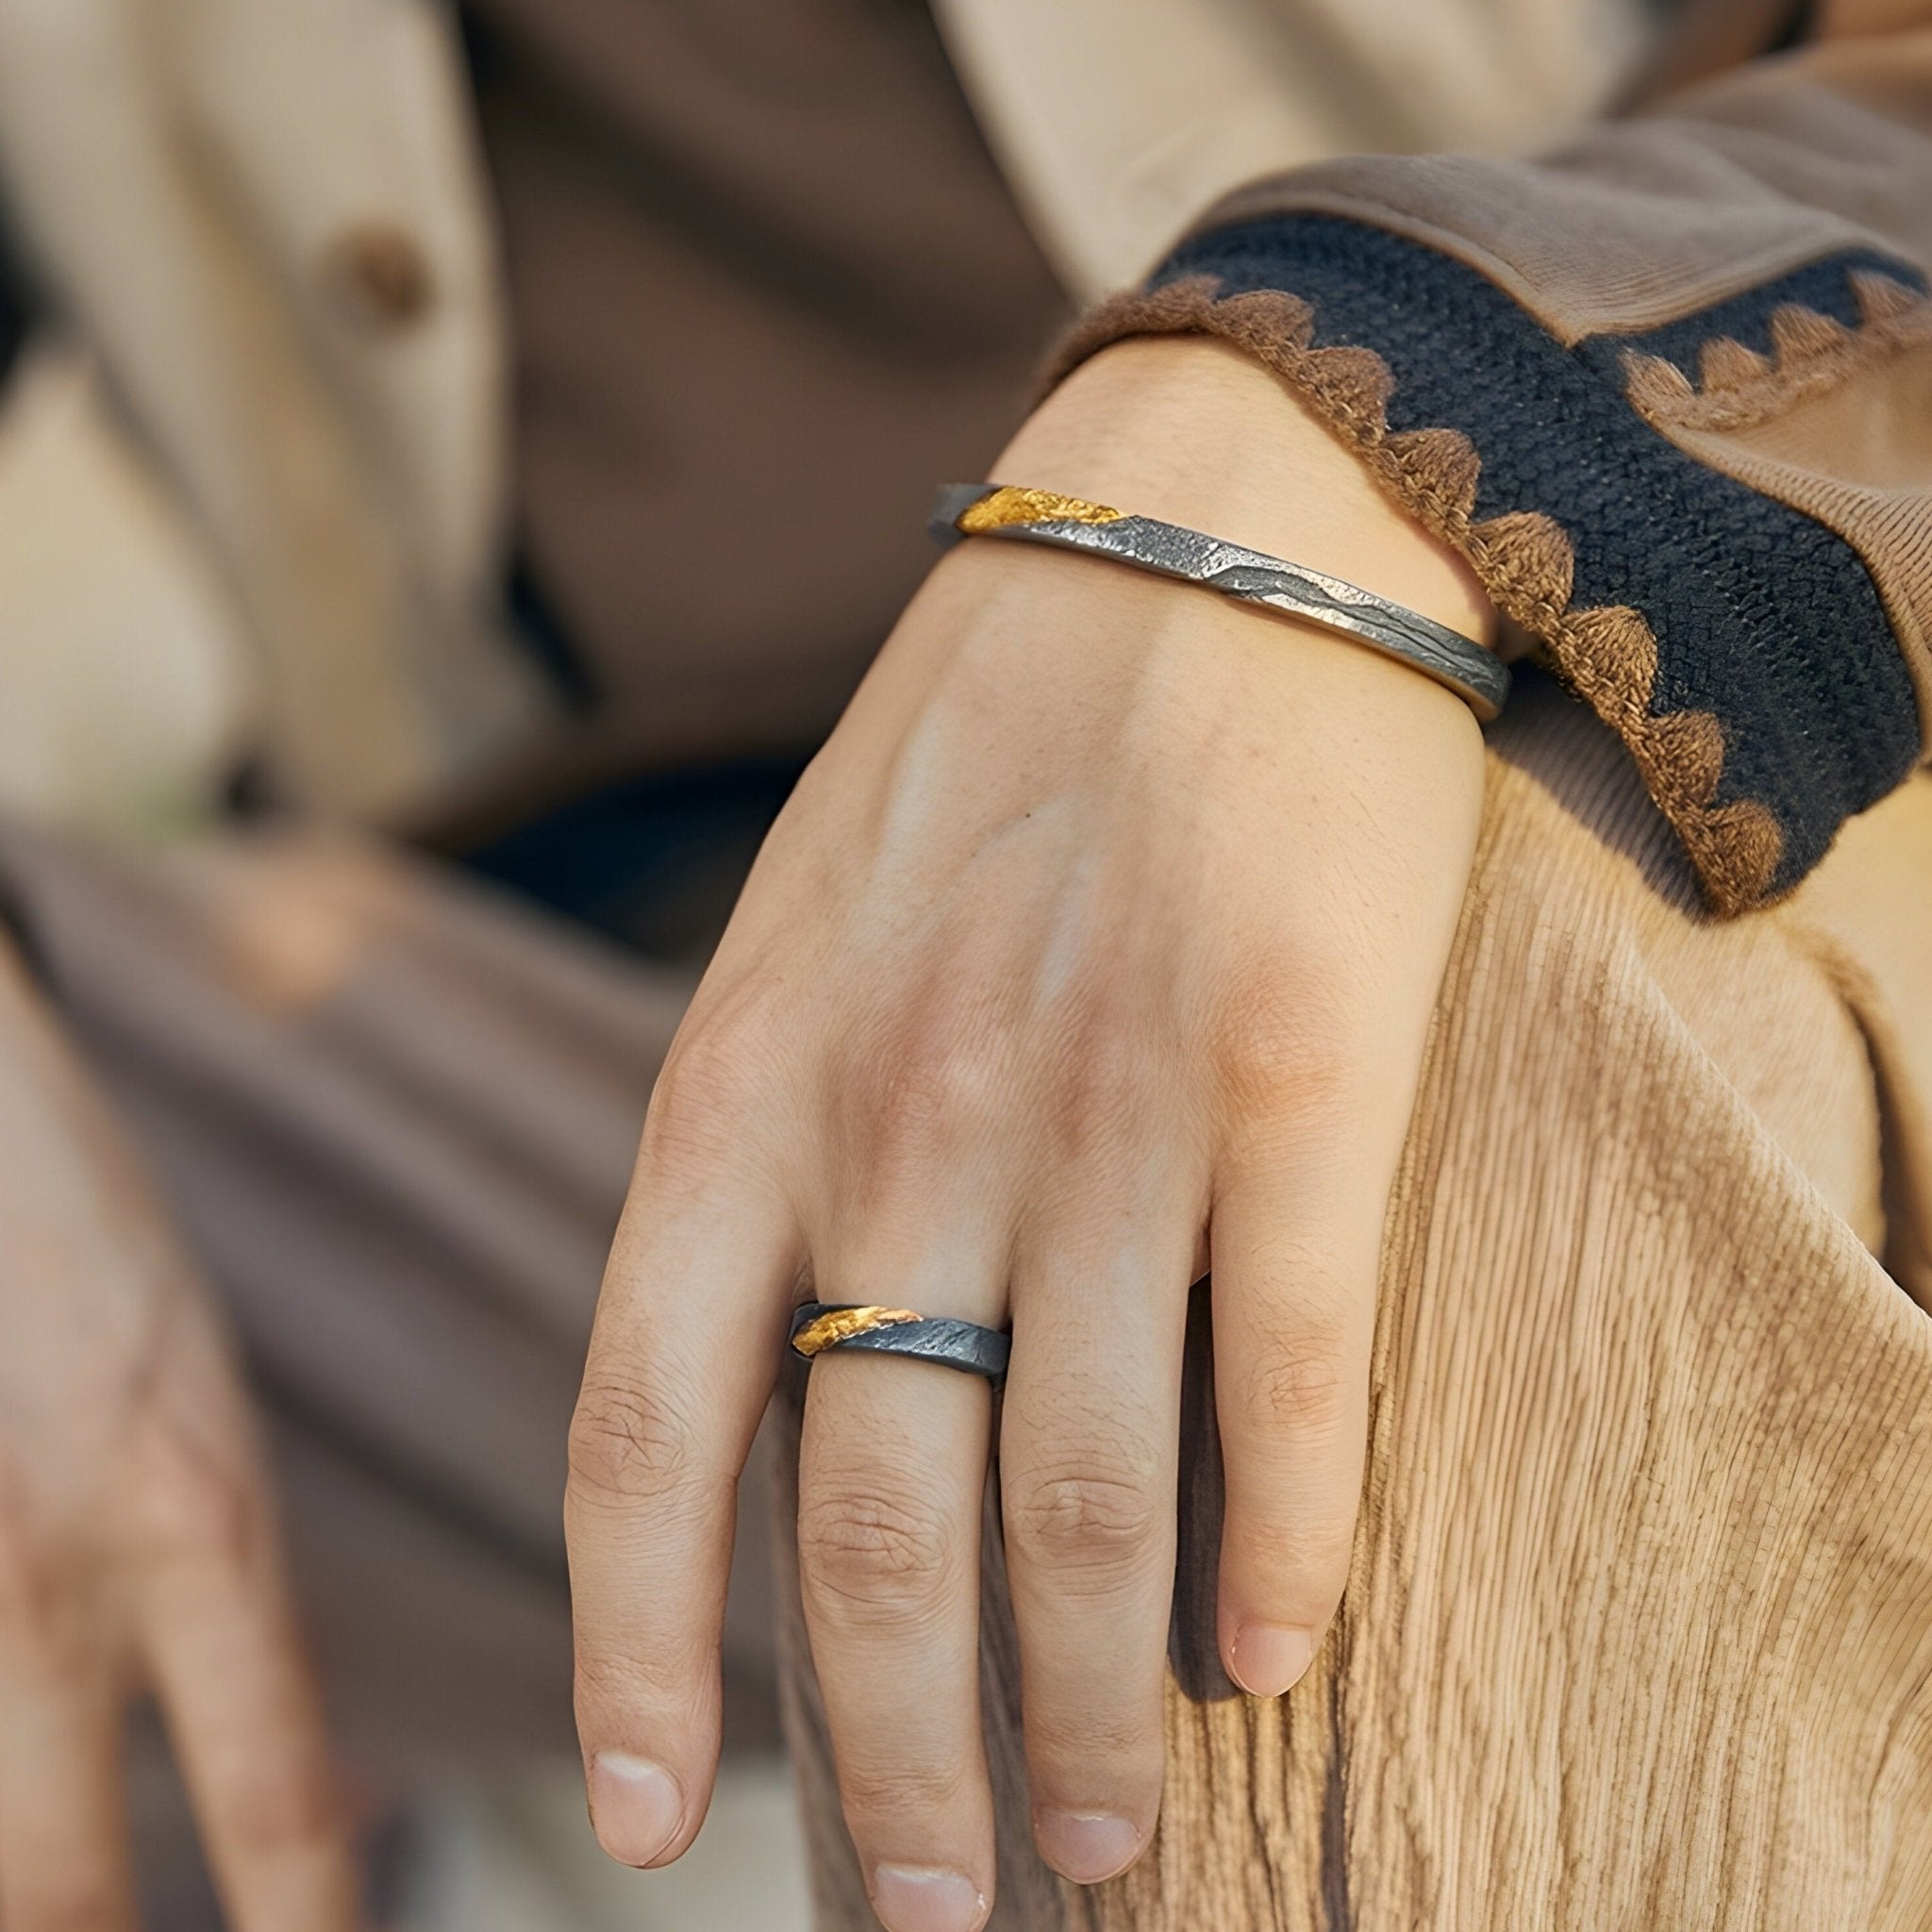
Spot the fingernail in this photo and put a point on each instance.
(1084, 1846)
(916, 1898)
(1269, 1658)
(635, 1807)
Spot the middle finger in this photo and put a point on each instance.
(1089, 1446)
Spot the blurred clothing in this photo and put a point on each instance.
(263, 221)
(765, 289)
(124, 675)
(518, 1855)
(1119, 121)
(1637, 1632)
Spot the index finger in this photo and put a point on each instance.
(689, 1335)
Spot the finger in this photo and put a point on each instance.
(1089, 1435)
(64, 1859)
(233, 1680)
(689, 1331)
(1294, 1257)
(892, 1488)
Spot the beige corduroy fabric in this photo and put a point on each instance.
(1639, 1629)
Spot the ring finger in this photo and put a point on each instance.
(891, 1485)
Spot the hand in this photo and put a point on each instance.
(138, 1545)
(1099, 944)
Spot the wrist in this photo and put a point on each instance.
(1192, 432)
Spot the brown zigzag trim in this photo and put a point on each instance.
(1811, 354)
(1524, 561)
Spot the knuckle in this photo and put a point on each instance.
(935, 1070)
(871, 1791)
(1112, 1074)
(50, 1624)
(1299, 1383)
(628, 1442)
(1288, 1050)
(866, 1550)
(292, 1807)
(1065, 1744)
(708, 1080)
(933, 1094)
(1087, 1515)
(199, 1499)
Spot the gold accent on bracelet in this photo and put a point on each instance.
(1008, 505)
(1462, 664)
(841, 1325)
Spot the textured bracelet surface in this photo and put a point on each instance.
(1070, 523)
(828, 1327)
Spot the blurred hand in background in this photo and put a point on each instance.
(139, 1548)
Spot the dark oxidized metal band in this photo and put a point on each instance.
(1039, 516)
(821, 1327)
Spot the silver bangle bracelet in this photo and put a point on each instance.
(1039, 516)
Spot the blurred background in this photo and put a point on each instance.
(455, 463)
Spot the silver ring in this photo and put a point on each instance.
(831, 1327)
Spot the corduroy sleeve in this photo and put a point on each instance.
(1669, 392)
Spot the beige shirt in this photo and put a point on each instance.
(786, 289)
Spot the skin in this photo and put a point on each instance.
(1099, 944)
(138, 1548)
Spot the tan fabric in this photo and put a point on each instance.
(1117, 121)
(91, 733)
(1640, 221)
(1639, 1629)
(264, 217)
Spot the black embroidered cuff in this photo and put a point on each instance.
(1736, 646)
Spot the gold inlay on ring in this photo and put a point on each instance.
(1008, 505)
(841, 1325)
